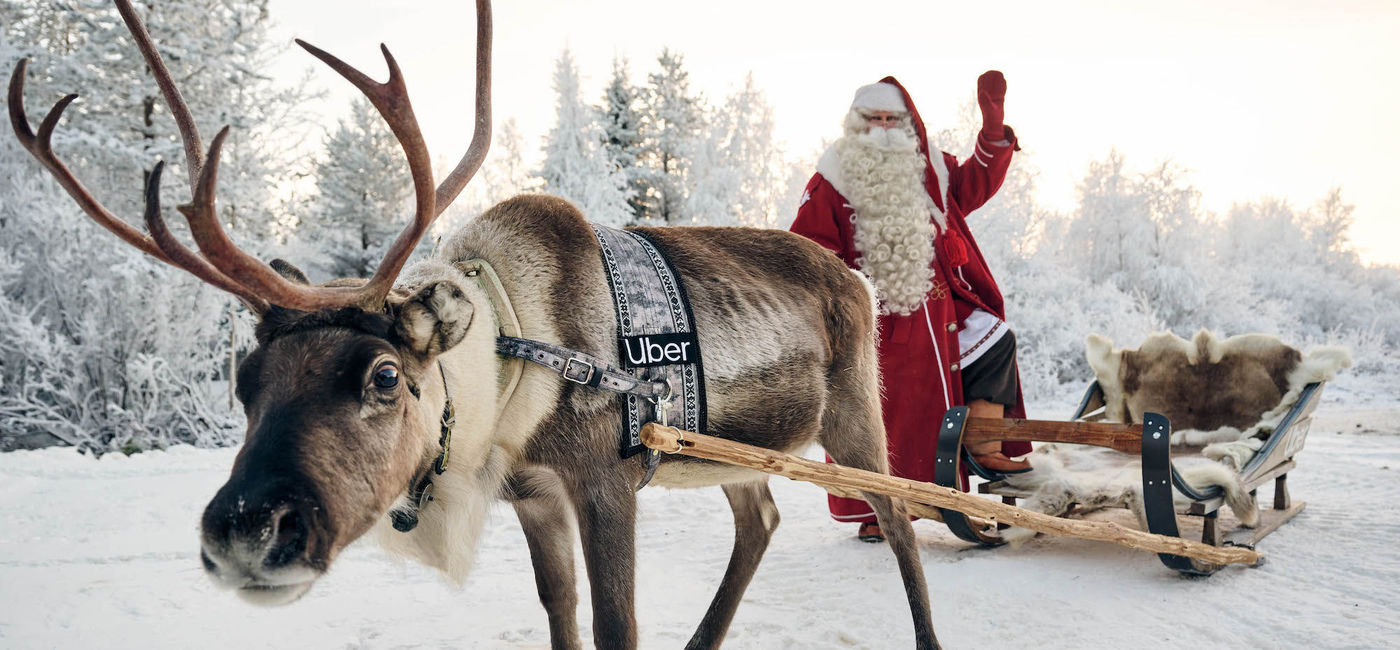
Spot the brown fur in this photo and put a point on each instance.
(1206, 384)
(787, 333)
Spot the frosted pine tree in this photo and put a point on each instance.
(712, 183)
(622, 134)
(1329, 221)
(100, 345)
(508, 174)
(575, 165)
(218, 51)
(752, 152)
(671, 120)
(1141, 232)
(364, 192)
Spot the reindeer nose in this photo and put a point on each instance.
(251, 530)
(287, 538)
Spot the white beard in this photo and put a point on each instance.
(882, 174)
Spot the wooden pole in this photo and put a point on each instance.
(1126, 438)
(850, 481)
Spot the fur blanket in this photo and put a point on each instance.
(1223, 397)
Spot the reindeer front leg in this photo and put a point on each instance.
(543, 508)
(607, 518)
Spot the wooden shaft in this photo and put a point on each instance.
(1126, 438)
(917, 509)
(670, 439)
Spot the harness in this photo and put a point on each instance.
(656, 336)
(661, 379)
(421, 489)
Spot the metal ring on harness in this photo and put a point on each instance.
(680, 438)
(663, 404)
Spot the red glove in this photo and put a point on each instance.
(991, 94)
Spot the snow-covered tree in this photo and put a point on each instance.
(101, 346)
(712, 182)
(672, 119)
(1328, 225)
(1141, 232)
(218, 52)
(737, 175)
(364, 192)
(576, 166)
(508, 173)
(622, 134)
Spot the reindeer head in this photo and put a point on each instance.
(337, 427)
(339, 424)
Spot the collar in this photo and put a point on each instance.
(420, 491)
(507, 324)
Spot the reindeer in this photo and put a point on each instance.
(347, 391)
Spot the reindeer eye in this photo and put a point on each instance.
(386, 376)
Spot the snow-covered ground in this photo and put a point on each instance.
(102, 554)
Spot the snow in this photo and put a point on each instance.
(102, 553)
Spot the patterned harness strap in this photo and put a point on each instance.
(581, 368)
(662, 378)
(655, 332)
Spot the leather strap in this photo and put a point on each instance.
(580, 368)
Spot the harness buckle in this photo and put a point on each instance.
(587, 368)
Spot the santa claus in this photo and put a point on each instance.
(896, 210)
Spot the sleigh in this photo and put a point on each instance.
(1151, 441)
(980, 520)
(1255, 375)
(1214, 388)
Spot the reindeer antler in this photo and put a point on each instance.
(481, 133)
(41, 147)
(223, 264)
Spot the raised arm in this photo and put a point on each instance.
(978, 178)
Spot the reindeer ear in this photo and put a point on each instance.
(286, 270)
(433, 318)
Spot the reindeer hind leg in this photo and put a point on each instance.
(755, 519)
(853, 434)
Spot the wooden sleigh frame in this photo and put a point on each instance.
(1152, 441)
(979, 519)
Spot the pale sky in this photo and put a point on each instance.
(1283, 98)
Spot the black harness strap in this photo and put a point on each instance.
(580, 368)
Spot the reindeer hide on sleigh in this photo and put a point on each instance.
(1222, 397)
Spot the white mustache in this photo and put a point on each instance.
(893, 139)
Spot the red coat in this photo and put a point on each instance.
(919, 352)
